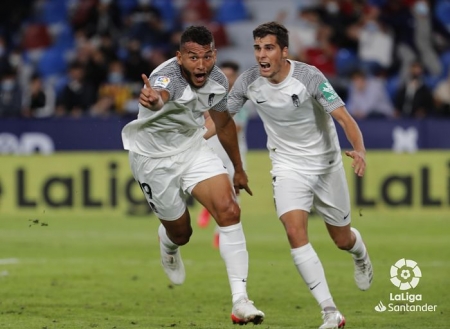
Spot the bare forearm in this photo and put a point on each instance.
(354, 135)
(228, 138)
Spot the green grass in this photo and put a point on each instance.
(94, 272)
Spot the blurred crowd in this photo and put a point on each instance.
(77, 58)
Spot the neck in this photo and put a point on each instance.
(282, 74)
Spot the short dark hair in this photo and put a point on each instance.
(197, 34)
(230, 65)
(273, 28)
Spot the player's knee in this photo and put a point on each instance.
(343, 242)
(182, 238)
(228, 212)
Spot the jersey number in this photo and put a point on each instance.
(148, 192)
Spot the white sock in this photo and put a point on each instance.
(233, 250)
(311, 270)
(167, 244)
(358, 250)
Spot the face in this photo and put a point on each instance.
(359, 82)
(231, 75)
(271, 58)
(196, 62)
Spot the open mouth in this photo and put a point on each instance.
(264, 66)
(200, 77)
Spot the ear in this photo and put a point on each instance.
(285, 52)
(178, 54)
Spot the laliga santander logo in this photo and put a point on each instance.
(405, 274)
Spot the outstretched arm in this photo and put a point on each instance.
(226, 132)
(355, 138)
(150, 98)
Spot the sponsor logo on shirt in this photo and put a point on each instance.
(327, 91)
(162, 81)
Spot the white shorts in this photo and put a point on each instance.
(166, 182)
(328, 193)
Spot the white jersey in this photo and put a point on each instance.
(179, 124)
(296, 116)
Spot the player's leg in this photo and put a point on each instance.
(293, 200)
(209, 183)
(159, 181)
(333, 204)
(217, 195)
(173, 234)
(204, 216)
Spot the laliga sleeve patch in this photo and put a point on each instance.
(327, 91)
(162, 82)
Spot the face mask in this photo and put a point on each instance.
(115, 77)
(7, 85)
(371, 26)
(421, 8)
(144, 2)
(332, 7)
(15, 60)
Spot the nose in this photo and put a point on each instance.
(201, 63)
(261, 53)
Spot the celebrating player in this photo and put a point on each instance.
(170, 158)
(297, 105)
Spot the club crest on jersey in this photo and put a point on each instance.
(162, 81)
(295, 100)
(211, 99)
(328, 92)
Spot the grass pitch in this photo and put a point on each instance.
(77, 272)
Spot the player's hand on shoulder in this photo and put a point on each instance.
(359, 161)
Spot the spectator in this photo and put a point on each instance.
(414, 98)
(3, 55)
(41, 99)
(368, 97)
(78, 94)
(116, 89)
(135, 63)
(304, 33)
(96, 67)
(375, 42)
(441, 97)
(423, 37)
(145, 23)
(10, 94)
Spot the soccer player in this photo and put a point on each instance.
(297, 105)
(170, 159)
(231, 71)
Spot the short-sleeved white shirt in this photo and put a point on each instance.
(296, 117)
(180, 123)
